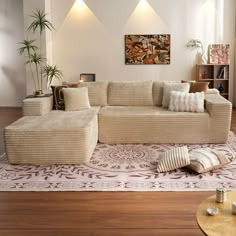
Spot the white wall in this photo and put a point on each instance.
(234, 97)
(90, 35)
(12, 69)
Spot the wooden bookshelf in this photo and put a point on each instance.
(217, 75)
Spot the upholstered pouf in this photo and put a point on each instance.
(37, 106)
(56, 138)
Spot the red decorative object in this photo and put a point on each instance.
(219, 53)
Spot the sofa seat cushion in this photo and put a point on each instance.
(151, 124)
(56, 138)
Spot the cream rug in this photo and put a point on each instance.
(119, 168)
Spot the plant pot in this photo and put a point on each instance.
(38, 93)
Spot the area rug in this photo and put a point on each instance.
(129, 167)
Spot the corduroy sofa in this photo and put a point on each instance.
(122, 112)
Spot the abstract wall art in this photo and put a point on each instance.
(147, 49)
(219, 53)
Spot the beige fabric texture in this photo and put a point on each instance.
(182, 102)
(205, 159)
(56, 138)
(173, 159)
(37, 106)
(97, 92)
(151, 124)
(220, 112)
(168, 87)
(76, 99)
(130, 93)
(157, 91)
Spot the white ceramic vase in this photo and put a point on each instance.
(204, 57)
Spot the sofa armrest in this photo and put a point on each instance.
(38, 106)
(220, 111)
(212, 91)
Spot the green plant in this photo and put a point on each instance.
(27, 45)
(50, 72)
(34, 53)
(37, 60)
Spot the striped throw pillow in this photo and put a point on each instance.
(173, 159)
(207, 159)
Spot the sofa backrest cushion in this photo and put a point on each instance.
(130, 93)
(157, 92)
(97, 92)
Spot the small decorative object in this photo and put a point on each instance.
(197, 44)
(234, 208)
(147, 49)
(221, 88)
(219, 53)
(87, 77)
(221, 195)
(212, 211)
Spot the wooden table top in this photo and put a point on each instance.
(222, 224)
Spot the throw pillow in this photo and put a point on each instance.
(58, 97)
(71, 84)
(173, 159)
(198, 87)
(190, 102)
(76, 99)
(206, 159)
(168, 87)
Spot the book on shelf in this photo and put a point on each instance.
(221, 73)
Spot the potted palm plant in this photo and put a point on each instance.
(51, 72)
(34, 53)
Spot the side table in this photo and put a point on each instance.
(223, 224)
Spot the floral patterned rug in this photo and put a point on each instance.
(129, 167)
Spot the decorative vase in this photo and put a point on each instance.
(221, 88)
(204, 57)
(38, 93)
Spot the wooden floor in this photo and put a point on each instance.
(97, 213)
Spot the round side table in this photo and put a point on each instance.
(223, 224)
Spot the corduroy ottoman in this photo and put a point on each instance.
(56, 138)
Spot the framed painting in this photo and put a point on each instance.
(219, 53)
(147, 49)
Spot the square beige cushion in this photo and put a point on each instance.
(168, 87)
(76, 99)
(130, 93)
(173, 159)
(207, 159)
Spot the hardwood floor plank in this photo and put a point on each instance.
(104, 232)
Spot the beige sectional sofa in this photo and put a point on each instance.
(122, 112)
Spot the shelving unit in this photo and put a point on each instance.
(217, 75)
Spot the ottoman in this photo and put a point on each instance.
(56, 138)
(37, 106)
